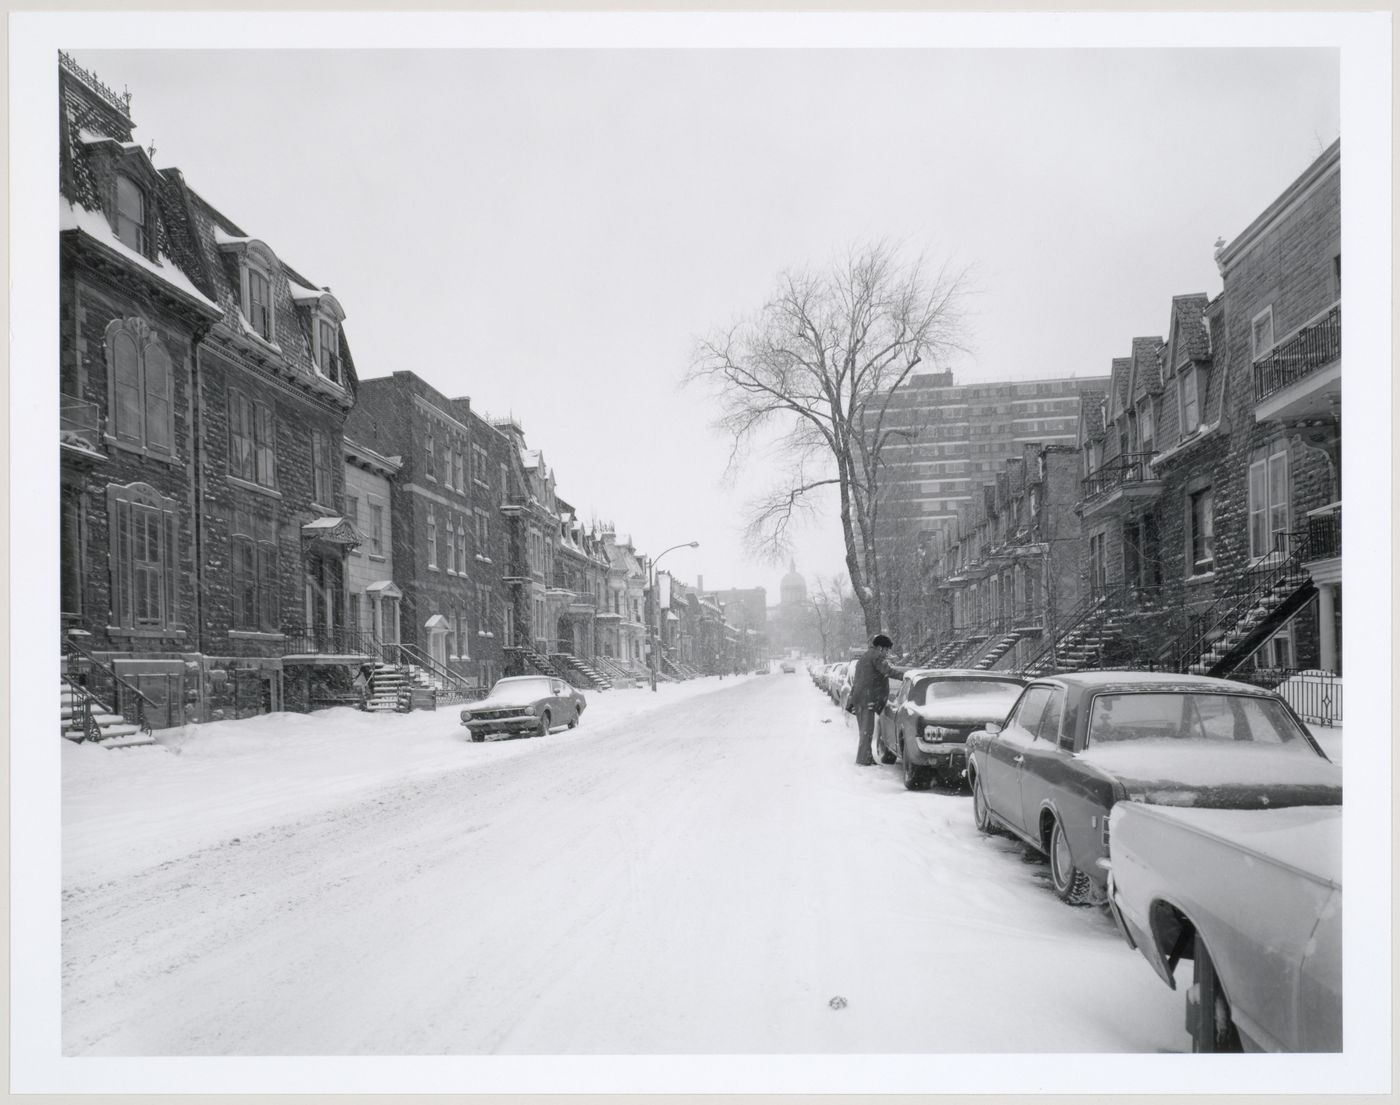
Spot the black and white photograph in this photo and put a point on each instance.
(676, 553)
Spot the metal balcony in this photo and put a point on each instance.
(1301, 376)
(1125, 482)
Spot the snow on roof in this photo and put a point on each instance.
(328, 522)
(301, 293)
(95, 225)
(223, 238)
(88, 138)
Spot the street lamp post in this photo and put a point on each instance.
(654, 628)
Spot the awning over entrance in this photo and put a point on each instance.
(385, 588)
(332, 534)
(437, 621)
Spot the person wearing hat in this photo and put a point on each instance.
(870, 687)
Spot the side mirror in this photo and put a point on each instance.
(992, 727)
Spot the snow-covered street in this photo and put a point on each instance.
(703, 870)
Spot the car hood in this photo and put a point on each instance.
(972, 710)
(1214, 774)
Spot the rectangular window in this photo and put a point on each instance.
(1262, 332)
(1146, 429)
(73, 539)
(329, 349)
(131, 215)
(265, 444)
(323, 469)
(253, 548)
(1268, 501)
(1202, 531)
(142, 558)
(504, 482)
(242, 454)
(457, 481)
(260, 304)
(432, 538)
(1190, 405)
(431, 470)
(376, 529)
(447, 452)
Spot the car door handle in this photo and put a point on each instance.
(1018, 759)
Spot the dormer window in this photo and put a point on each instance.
(328, 349)
(259, 303)
(130, 215)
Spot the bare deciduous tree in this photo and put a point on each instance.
(816, 368)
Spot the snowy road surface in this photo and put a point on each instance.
(698, 871)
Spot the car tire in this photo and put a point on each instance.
(1072, 885)
(1207, 1010)
(478, 737)
(882, 753)
(915, 776)
(574, 724)
(545, 720)
(981, 812)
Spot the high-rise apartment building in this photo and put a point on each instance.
(961, 435)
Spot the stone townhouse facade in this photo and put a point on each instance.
(373, 595)
(1211, 499)
(449, 547)
(204, 384)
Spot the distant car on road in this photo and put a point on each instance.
(1075, 744)
(1254, 899)
(788, 667)
(930, 714)
(529, 704)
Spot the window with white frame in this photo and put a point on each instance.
(1261, 333)
(328, 348)
(432, 538)
(259, 303)
(143, 530)
(431, 470)
(1268, 498)
(447, 450)
(1277, 651)
(129, 220)
(1147, 429)
(1189, 398)
(1200, 531)
(141, 386)
(457, 480)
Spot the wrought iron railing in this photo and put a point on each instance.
(79, 423)
(452, 683)
(1317, 344)
(1284, 567)
(1124, 469)
(91, 677)
(1316, 696)
(1323, 536)
(1096, 607)
(339, 640)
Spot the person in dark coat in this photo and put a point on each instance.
(870, 687)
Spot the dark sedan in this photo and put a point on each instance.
(1076, 744)
(530, 704)
(929, 715)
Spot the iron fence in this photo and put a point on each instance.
(1316, 696)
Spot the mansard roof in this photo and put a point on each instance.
(1119, 386)
(1147, 367)
(1091, 424)
(1188, 329)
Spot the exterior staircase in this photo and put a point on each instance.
(540, 662)
(391, 688)
(83, 718)
(580, 672)
(1086, 636)
(1002, 645)
(1234, 627)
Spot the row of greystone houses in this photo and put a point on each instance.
(246, 523)
(1196, 525)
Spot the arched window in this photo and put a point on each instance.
(141, 388)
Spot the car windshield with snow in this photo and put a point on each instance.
(1075, 744)
(931, 713)
(528, 704)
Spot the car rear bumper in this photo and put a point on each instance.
(945, 757)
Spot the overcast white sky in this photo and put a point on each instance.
(549, 231)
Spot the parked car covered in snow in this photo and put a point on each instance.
(1254, 899)
(530, 704)
(930, 714)
(1076, 744)
(788, 667)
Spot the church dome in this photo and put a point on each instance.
(793, 588)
